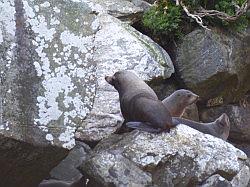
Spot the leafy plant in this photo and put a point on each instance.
(166, 17)
(163, 18)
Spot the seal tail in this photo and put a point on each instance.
(143, 126)
(192, 124)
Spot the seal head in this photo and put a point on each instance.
(178, 101)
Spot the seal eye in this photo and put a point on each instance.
(189, 95)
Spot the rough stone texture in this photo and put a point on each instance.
(240, 180)
(122, 9)
(163, 88)
(67, 169)
(216, 180)
(248, 164)
(244, 146)
(25, 164)
(239, 119)
(243, 174)
(118, 46)
(213, 64)
(47, 78)
(142, 4)
(179, 158)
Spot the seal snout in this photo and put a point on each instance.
(109, 79)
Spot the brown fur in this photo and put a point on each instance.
(178, 101)
(219, 128)
(138, 101)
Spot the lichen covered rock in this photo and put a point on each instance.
(117, 47)
(179, 158)
(48, 82)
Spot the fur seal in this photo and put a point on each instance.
(58, 183)
(178, 101)
(138, 101)
(219, 128)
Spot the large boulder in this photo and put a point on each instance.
(47, 87)
(118, 46)
(182, 157)
(214, 64)
(239, 119)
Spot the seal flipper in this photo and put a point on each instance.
(143, 126)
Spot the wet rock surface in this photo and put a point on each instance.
(179, 158)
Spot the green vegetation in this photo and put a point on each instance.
(163, 20)
(165, 17)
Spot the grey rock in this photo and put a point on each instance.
(244, 146)
(242, 178)
(27, 163)
(117, 47)
(215, 65)
(48, 82)
(179, 158)
(216, 180)
(163, 88)
(67, 169)
(248, 164)
(120, 171)
(142, 4)
(125, 10)
(239, 119)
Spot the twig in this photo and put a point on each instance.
(197, 18)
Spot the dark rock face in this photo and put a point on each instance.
(239, 119)
(214, 64)
(25, 164)
(67, 169)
